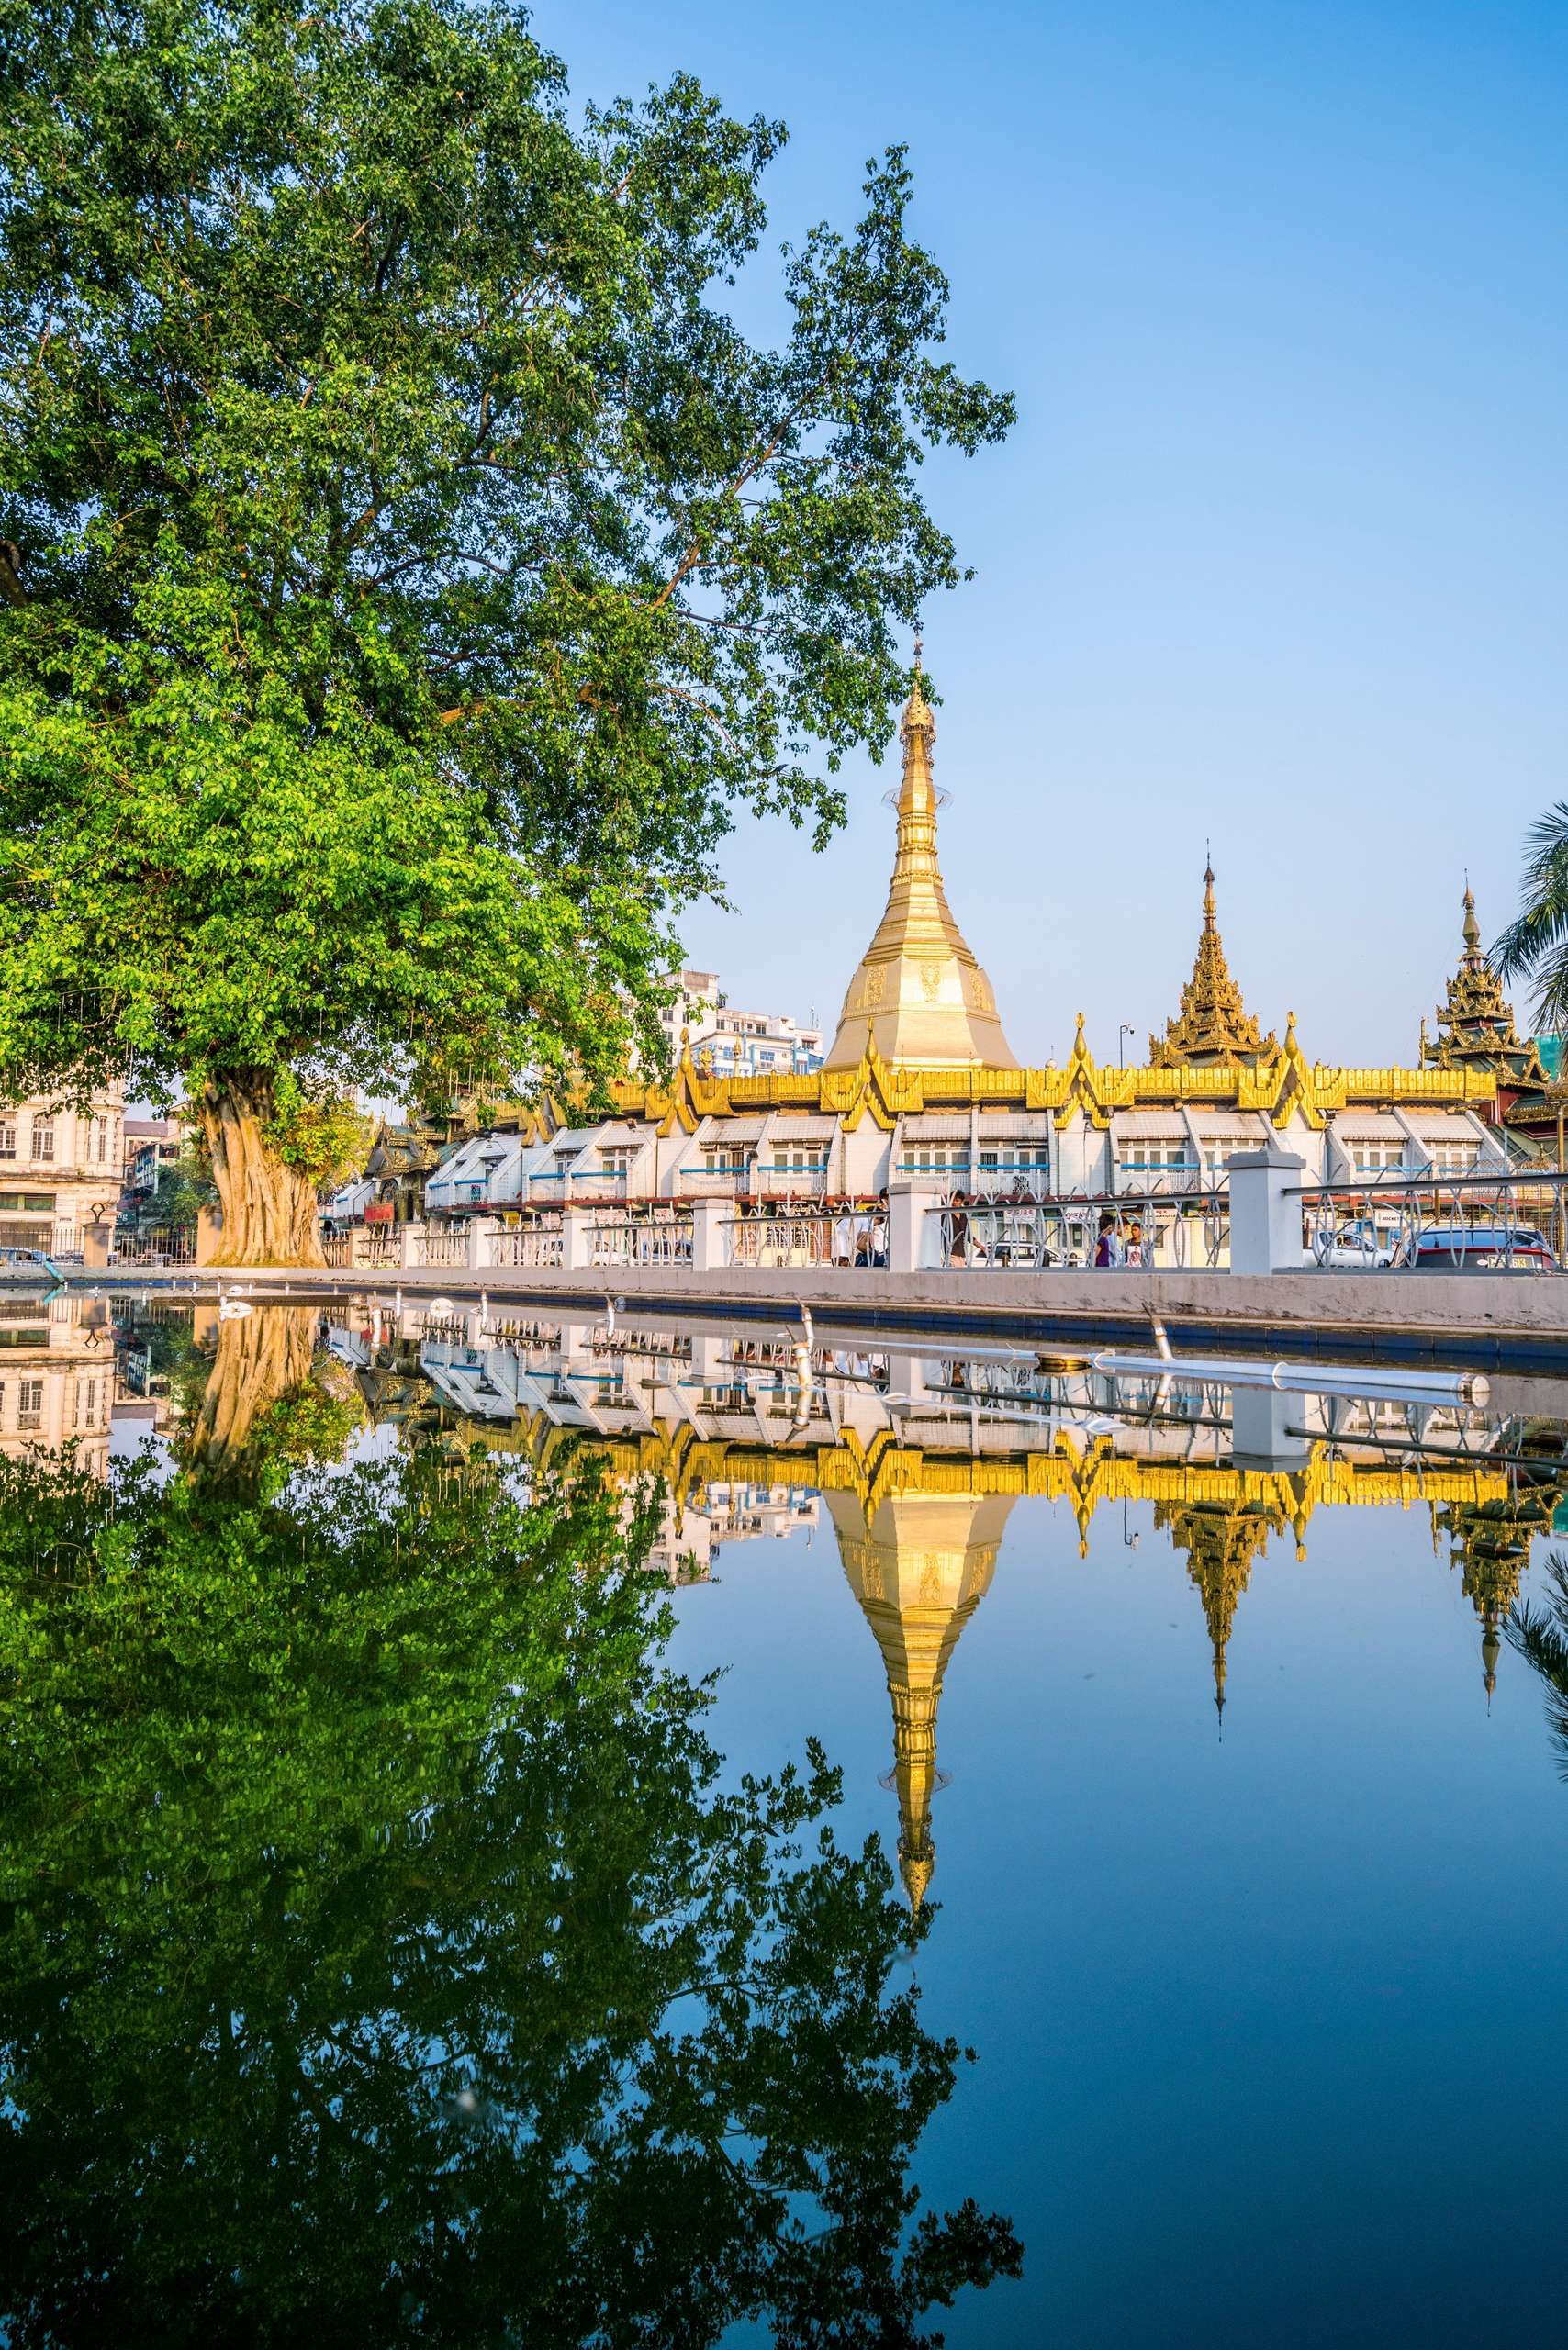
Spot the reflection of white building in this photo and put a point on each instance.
(61, 1171)
(57, 1378)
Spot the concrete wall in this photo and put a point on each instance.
(1488, 1315)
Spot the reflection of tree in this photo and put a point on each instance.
(260, 1359)
(386, 1961)
(1541, 1636)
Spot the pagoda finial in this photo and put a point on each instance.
(1213, 1023)
(1472, 928)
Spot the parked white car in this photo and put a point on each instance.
(1357, 1248)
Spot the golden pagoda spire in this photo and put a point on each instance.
(919, 1563)
(918, 980)
(1475, 1023)
(1213, 1024)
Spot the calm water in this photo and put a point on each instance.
(391, 1951)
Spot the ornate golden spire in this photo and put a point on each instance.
(1221, 1543)
(1490, 1541)
(1213, 1023)
(1475, 1024)
(918, 981)
(919, 1565)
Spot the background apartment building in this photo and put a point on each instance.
(60, 1171)
(732, 1043)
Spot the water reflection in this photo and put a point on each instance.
(386, 1937)
(918, 1459)
(385, 1953)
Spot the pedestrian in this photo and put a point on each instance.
(1108, 1248)
(958, 1224)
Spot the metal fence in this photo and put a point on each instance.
(1499, 1220)
(169, 1245)
(1060, 1231)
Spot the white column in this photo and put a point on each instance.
(1261, 1423)
(576, 1239)
(1265, 1221)
(912, 1243)
(482, 1231)
(709, 1218)
(411, 1244)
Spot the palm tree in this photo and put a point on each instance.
(1535, 944)
(1541, 1636)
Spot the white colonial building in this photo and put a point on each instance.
(60, 1171)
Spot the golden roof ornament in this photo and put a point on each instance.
(1213, 1025)
(1475, 1023)
(918, 980)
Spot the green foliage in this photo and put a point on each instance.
(406, 563)
(386, 1960)
(180, 1191)
(1535, 944)
(308, 1424)
(327, 1140)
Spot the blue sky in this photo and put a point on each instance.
(1276, 552)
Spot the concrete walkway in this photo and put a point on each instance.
(1481, 1318)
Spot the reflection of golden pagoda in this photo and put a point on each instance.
(919, 1563)
(1213, 1024)
(1475, 1024)
(1490, 1541)
(1221, 1541)
(918, 986)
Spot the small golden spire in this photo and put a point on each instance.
(1472, 928)
(1213, 1023)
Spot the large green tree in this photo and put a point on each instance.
(407, 563)
(383, 1957)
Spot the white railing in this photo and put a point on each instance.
(785, 1239)
(534, 1243)
(441, 1248)
(788, 1182)
(664, 1240)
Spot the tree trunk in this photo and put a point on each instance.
(269, 1208)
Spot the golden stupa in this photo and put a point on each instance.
(918, 991)
(919, 1563)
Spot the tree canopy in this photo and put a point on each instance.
(407, 565)
(386, 1956)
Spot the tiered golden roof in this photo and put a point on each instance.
(1489, 1541)
(1213, 1024)
(918, 995)
(1222, 1541)
(884, 1092)
(1475, 1021)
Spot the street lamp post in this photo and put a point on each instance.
(1128, 1028)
